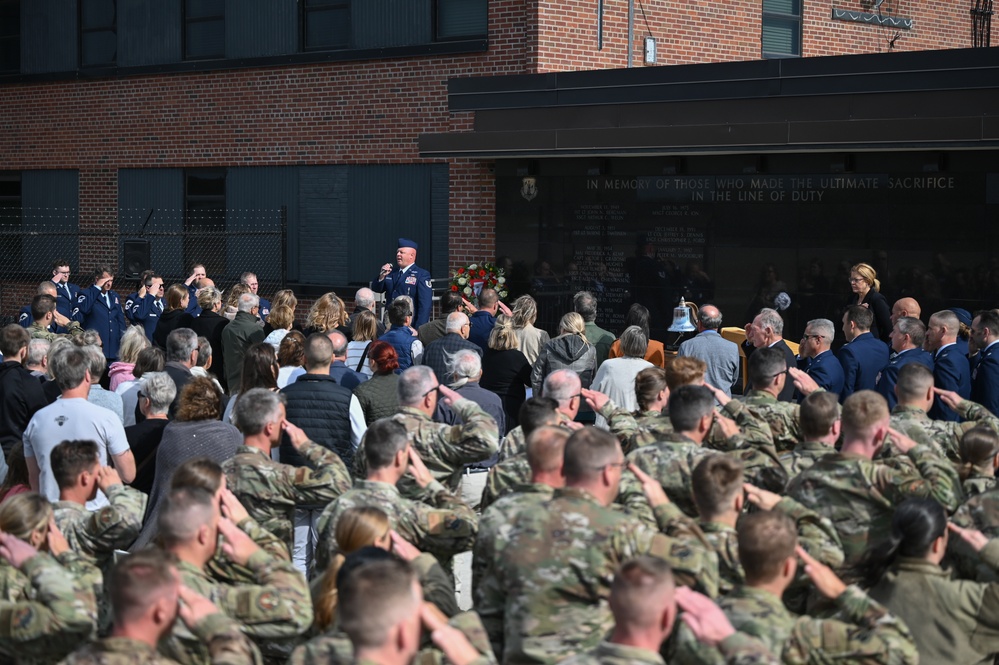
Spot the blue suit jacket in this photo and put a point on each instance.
(861, 360)
(345, 376)
(985, 379)
(951, 371)
(146, 313)
(415, 284)
(888, 376)
(93, 314)
(66, 305)
(827, 371)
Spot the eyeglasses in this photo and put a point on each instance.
(432, 390)
(142, 395)
(620, 465)
(806, 337)
(856, 280)
(62, 272)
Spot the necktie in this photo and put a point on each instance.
(107, 301)
(159, 305)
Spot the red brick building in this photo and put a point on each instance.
(281, 136)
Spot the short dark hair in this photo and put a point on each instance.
(988, 318)
(715, 482)
(137, 581)
(13, 338)
(913, 381)
(71, 458)
(382, 441)
(398, 311)
(687, 405)
(766, 540)
(101, 269)
(59, 263)
(41, 305)
(817, 414)
(318, 351)
(535, 412)
(587, 452)
(765, 365)
(373, 598)
(859, 316)
(584, 303)
(450, 302)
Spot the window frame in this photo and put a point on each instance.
(454, 38)
(326, 5)
(198, 248)
(796, 19)
(14, 38)
(112, 28)
(187, 21)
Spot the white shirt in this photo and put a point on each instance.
(70, 419)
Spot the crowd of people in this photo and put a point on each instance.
(196, 479)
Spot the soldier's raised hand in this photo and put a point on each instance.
(15, 550)
(948, 397)
(238, 546)
(902, 442)
(57, 542)
(455, 645)
(822, 576)
(762, 498)
(448, 396)
(594, 398)
(719, 394)
(975, 538)
(728, 426)
(297, 436)
(107, 478)
(421, 474)
(802, 381)
(193, 606)
(705, 619)
(231, 507)
(653, 491)
(402, 547)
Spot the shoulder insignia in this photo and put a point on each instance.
(22, 617)
(267, 601)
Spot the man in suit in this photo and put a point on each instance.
(767, 332)
(99, 308)
(407, 279)
(863, 354)
(66, 293)
(345, 376)
(455, 339)
(364, 301)
(985, 374)
(819, 361)
(720, 355)
(907, 336)
(951, 370)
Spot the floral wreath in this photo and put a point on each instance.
(471, 279)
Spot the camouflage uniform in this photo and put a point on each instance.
(859, 496)
(804, 456)
(863, 632)
(442, 524)
(224, 570)
(782, 417)
(96, 535)
(672, 463)
(47, 609)
(515, 443)
(944, 434)
(226, 645)
(504, 477)
(546, 598)
(334, 648)
(271, 491)
(978, 483)
(445, 449)
(273, 610)
(529, 496)
(38, 331)
(737, 649)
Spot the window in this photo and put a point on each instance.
(325, 24)
(10, 36)
(204, 29)
(204, 220)
(98, 32)
(461, 19)
(781, 28)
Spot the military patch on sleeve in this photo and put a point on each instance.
(268, 600)
(22, 617)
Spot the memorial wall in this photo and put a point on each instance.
(739, 230)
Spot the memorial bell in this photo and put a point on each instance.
(681, 319)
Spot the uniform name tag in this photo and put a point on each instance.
(411, 279)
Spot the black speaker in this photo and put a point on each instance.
(136, 258)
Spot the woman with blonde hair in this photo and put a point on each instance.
(530, 339)
(867, 293)
(132, 343)
(327, 314)
(365, 332)
(368, 526)
(232, 300)
(570, 350)
(505, 370)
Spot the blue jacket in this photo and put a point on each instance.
(146, 313)
(827, 371)
(951, 371)
(66, 305)
(93, 313)
(346, 376)
(481, 325)
(861, 359)
(888, 377)
(415, 284)
(401, 340)
(985, 379)
(265, 309)
(193, 308)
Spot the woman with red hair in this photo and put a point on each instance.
(378, 395)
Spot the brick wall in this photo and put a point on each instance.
(373, 111)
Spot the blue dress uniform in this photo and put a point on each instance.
(951, 371)
(414, 282)
(130, 302)
(66, 298)
(861, 360)
(827, 371)
(102, 312)
(146, 312)
(888, 377)
(985, 378)
(265, 309)
(25, 319)
(193, 308)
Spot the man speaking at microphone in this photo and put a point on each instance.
(406, 279)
